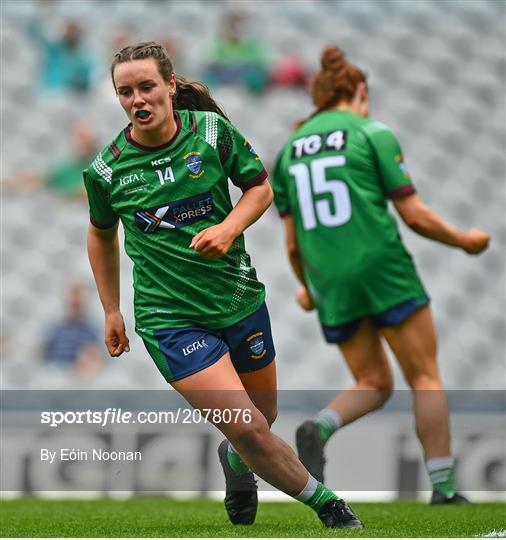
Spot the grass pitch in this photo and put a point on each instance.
(154, 517)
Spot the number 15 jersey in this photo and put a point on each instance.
(335, 176)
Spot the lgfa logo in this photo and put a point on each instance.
(200, 344)
(131, 178)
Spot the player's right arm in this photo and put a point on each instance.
(282, 203)
(424, 221)
(302, 294)
(103, 253)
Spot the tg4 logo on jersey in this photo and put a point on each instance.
(319, 142)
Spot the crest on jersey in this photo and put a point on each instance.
(256, 345)
(193, 161)
(402, 165)
(251, 149)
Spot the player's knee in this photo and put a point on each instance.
(425, 381)
(382, 383)
(250, 437)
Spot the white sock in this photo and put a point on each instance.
(308, 491)
(329, 418)
(438, 463)
(439, 468)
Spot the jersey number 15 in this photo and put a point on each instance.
(311, 181)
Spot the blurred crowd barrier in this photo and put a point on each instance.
(436, 76)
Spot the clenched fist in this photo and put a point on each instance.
(213, 242)
(475, 241)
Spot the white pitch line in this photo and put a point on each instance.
(501, 533)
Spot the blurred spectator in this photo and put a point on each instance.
(290, 72)
(120, 36)
(64, 177)
(73, 342)
(66, 63)
(236, 58)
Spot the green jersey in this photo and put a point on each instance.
(163, 197)
(335, 176)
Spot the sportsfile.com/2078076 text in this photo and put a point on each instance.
(111, 416)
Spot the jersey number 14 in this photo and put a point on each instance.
(167, 176)
(311, 181)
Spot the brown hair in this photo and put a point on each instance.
(192, 95)
(337, 79)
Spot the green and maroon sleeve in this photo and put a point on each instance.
(240, 161)
(101, 213)
(392, 169)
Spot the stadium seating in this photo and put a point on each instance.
(436, 74)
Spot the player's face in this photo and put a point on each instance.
(144, 95)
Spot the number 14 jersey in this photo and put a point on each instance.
(163, 197)
(335, 176)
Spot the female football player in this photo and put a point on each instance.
(332, 183)
(198, 305)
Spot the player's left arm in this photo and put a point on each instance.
(214, 242)
(244, 168)
(424, 221)
(413, 211)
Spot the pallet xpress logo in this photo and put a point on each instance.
(175, 214)
(256, 345)
(193, 161)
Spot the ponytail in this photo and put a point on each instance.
(194, 96)
(336, 81)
